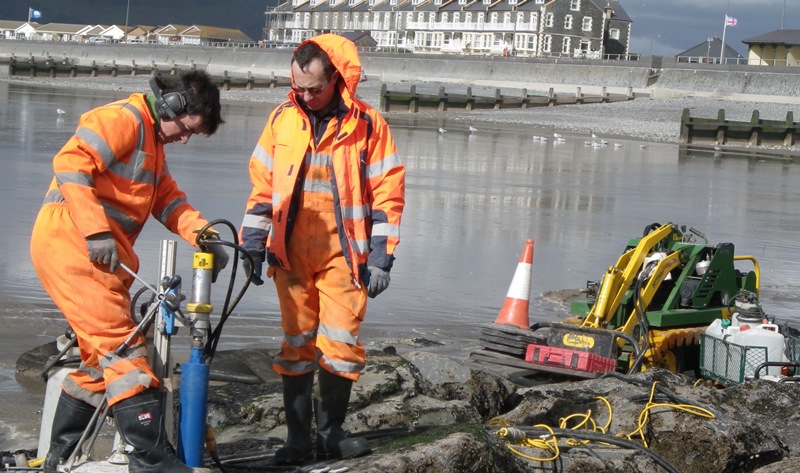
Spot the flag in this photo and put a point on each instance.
(730, 21)
(35, 14)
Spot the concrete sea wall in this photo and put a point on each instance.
(652, 76)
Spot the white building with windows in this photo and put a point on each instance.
(534, 28)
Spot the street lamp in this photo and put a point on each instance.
(651, 43)
(127, 9)
(708, 51)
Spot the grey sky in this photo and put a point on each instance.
(672, 26)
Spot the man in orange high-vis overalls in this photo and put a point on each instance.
(324, 212)
(109, 178)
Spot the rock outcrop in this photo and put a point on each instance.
(424, 412)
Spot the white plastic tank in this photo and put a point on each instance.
(763, 335)
(717, 356)
(54, 378)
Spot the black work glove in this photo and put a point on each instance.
(378, 281)
(258, 266)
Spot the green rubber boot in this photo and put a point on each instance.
(331, 408)
(297, 407)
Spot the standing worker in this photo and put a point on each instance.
(109, 177)
(324, 212)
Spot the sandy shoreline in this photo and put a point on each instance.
(645, 118)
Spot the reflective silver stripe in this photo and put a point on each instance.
(383, 166)
(317, 185)
(360, 246)
(77, 178)
(256, 221)
(54, 196)
(318, 159)
(276, 197)
(128, 224)
(164, 215)
(343, 366)
(386, 229)
(82, 394)
(263, 157)
(355, 213)
(125, 383)
(91, 138)
(110, 358)
(134, 168)
(337, 335)
(301, 340)
(302, 366)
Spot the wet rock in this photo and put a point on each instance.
(424, 412)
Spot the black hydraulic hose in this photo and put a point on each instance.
(598, 437)
(645, 328)
(227, 308)
(659, 388)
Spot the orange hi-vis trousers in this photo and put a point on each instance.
(321, 307)
(96, 303)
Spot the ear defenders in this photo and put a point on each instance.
(170, 104)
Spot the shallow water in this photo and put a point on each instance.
(472, 201)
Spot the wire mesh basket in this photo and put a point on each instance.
(729, 363)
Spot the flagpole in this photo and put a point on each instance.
(724, 29)
(29, 14)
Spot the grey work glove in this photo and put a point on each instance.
(103, 250)
(258, 266)
(378, 281)
(220, 257)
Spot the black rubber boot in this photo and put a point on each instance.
(140, 420)
(69, 421)
(331, 408)
(297, 407)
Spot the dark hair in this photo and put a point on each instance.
(307, 52)
(202, 98)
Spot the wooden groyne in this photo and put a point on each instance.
(412, 101)
(719, 131)
(70, 67)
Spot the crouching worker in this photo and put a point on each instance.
(109, 177)
(324, 212)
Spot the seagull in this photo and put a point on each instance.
(442, 131)
(604, 142)
(543, 139)
(61, 112)
(594, 137)
(643, 146)
(588, 143)
(618, 145)
(556, 135)
(560, 140)
(472, 129)
(717, 148)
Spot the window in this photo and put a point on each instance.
(444, 17)
(437, 2)
(332, 3)
(575, 5)
(512, 2)
(352, 2)
(587, 23)
(565, 45)
(487, 2)
(568, 22)
(462, 2)
(613, 33)
(539, 2)
(547, 43)
(548, 20)
(456, 17)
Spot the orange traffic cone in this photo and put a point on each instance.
(515, 308)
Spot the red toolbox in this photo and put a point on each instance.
(569, 359)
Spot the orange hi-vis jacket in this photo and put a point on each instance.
(368, 178)
(113, 174)
(110, 176)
